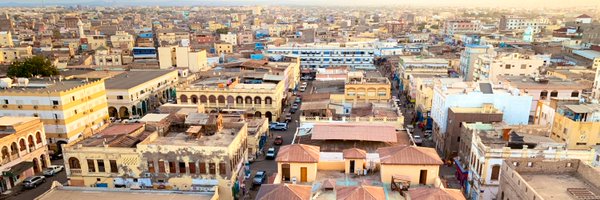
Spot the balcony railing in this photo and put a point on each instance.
(75, 171)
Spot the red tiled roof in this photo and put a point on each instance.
(409, 155)
(328, 184)
(283, 191)
(436, 194)
(298, 153)
(584, 16)
(357, 132)
(362, 192)
(355, 153)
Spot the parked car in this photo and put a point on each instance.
(259, 178)
(33, 181)
(53, 170)
(303, 88)
(279, 126)
(278, 140)
(295, 106)
(271, 153)
(298, 100)
(293, 110)
(428, 133)
(288, 117)
(418, 139)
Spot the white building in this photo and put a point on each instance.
(513, 104)
(353, 55)
(485, 146)
(469, 56)
(182, 57)
(519, 24)
(230, 38)
(596, 90)
(488, 67)
(122, 40)
(105, 57)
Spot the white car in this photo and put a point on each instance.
(53, 170)
(418, 139)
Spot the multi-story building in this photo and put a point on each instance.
(182, 57)
(412, 65)
(133, 94)
(520, 24)
(545, 111)
(223, 48)
(230, 38)
(24, 151)
(473, 95)
(531, 179)
(11, 54)
(355, 56)
(69, 108)
(122, 40)
(171, 37)
(6, 23)
(245, 37)
(468, 58)
(6, 39)
(245, 86)
(449, 142)
(596, 89)
(452, 27)
(106, 57)
(206, 155)
(543, 88)
(577, 125)
(488, 67)
(362, 89)
(486, 146)
(94, 42)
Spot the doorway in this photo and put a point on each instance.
(352, 166)
(303, 174)
(423, 177)
(285, 170)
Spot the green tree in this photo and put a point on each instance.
(33, 66)
(224, 30)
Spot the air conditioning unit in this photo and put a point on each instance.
(35, 107)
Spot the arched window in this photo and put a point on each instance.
(495, 172)
(74, 163)
(13, 148)
(554, 93)
(239, 100)
(221, 99)
(5, 153)
(194, 99)
(230, 99)
(575, 94)
(268, 100)
(257, 100)
(203, 99)
(543, 95)
(30, 142)
(183, 99)
(248, 100)
(212, 99)
(22, 145)
(38, 137)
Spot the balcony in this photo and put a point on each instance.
(75, 171)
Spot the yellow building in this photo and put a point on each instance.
(421, 164)
(223, 48)
(11, 54)
(168, 37)
(207, 157)
(69, 108)
(577, 125)
(297, 163)
(6, 39)
(23, 148)
(361, 89)
(256, 87)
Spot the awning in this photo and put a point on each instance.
(17, 169)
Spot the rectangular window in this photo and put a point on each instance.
(113, 166)
(202, 167)
(523, 66)
(151, 166)
(212, 168)
(182, 168)
(120, 97)
(581, 143)
(55, 102)
(91, 166)
(172, 167)
(161, 166)
(507, 66)
(101, 167)
(222, 169)
(192, 167)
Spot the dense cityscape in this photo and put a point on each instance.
(243, 100)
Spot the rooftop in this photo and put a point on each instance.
(409, 155)
(15, 121)
(117, 135)
(222, 138)
(284, 191)
(76, 193)
(435, 194)
(558, 189)
(549, 83)
(402, 138)
(48, 85)
(300, 153)
(130, 79)
(354, 132)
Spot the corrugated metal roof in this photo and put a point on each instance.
(409, 155)
(355, 153)
(283, 191)
(357, 132)
(298, 153)
(435, 194)
(362, 192)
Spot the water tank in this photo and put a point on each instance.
(5, 83)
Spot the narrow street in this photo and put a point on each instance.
(19, 193)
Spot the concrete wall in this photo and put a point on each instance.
(311, 170)
(413, 171)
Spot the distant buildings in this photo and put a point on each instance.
(182, 57)
(520, 24)
(469, 57)
(452, 27)
(358, 56)
(488, 67)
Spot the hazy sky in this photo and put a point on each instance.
(485, 3)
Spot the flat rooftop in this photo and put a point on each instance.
(14, 121)
(402, 138)
(130, 79)
(342, 180)
(331, 87)
(220, 139)
(48, 85)
(77, 193)
(549, 82)
(118, 135)
(554, 186)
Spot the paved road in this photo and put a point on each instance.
(21, 194)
